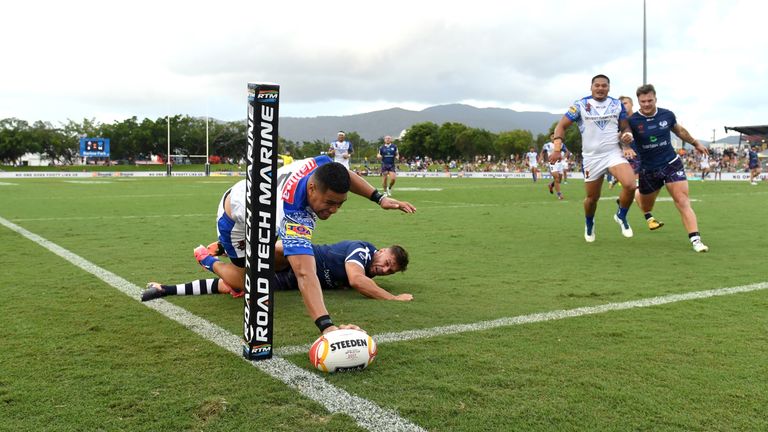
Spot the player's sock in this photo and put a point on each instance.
(534, 176)
(622, 213)
(198, 287)
(694, 236)
(590, 221)
(648, 215)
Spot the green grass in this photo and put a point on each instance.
(78, 354)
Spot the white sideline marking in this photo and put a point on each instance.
(545, 316)
(366, 413)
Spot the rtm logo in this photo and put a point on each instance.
(261, 350)
(268, 95)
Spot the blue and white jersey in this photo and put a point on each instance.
(340, 148)
(295, 218)
(388, 154)
(550, 147)
(653, 139)
(753, 161)
(332, 259)
(598, 123)
(533, 158)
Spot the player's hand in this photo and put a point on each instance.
(342, 327)
(403, 297)
(378, 156)
(555, 156)
(346, 156)
(388, 203)
(629, 153)
(626, 138)
(701, 149)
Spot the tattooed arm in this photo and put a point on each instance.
(684, 135)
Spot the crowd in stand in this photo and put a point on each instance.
(726, 160)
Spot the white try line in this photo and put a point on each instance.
(545, 316)
(366, 413)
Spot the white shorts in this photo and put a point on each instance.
(595, 167)
(232, 232)
(556, 167)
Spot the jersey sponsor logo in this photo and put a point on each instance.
(663, 124)
(297, 230)
(573, 110)
(289, 188)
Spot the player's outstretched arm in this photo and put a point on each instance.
(304, 268)
(684, 135)
(359, 186)
(367, 287)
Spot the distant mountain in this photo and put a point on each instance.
(374, 125)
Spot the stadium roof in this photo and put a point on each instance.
(749, 130)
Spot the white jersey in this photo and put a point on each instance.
(704, 161)
(598, 123)
(549, 148)
(339, 150)
(533, 158)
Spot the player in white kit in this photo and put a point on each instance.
(532, 159)
(556, 168)
(341, 149)
(600, 118)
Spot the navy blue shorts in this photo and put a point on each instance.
(652, 180)
(387, 168)
(754, 165)
(635, 164)
(286, 281)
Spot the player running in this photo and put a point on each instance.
(556, 168)
(653, 223)
(754, 166)
(532, 160)
(660, 164)
(388, 155)
(600, 117)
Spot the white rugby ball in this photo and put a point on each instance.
(343, 350)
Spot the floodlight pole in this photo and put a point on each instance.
(168, 157)
(645, 57)
(207, 158)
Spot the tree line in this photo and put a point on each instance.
(133, 140)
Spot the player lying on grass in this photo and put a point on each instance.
(347, 264)
(307, 190)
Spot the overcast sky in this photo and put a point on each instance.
(112, 60)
